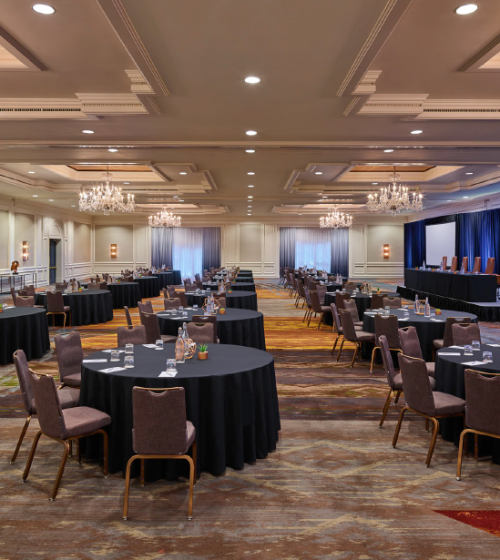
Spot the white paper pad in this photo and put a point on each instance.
(168, 374)
(404, 319)
(369, 313)
(494, 345)
(112, 369)
(438, 320)
(476, 363)
(459, 347)
(450, 354)
(97, 361)
(149, 345)
(108, 351)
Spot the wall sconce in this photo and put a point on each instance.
(114, 250)
(386, 252)
(26, 250)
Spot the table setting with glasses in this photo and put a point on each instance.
(237, 299)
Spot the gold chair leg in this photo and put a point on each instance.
(191, 485)
(335, 344)
(71, 448)
(476, 447)
(398, 427)
(433, 441)
(398, 394)
(460, 453)
(64, 322)
(340, 349)
(127, 487)
(105, 451)
(142, 472)
(373, 358)
(194, 460)
(21, 438)
(60, 472)
(386, 408)
(79, 451)
(354, 356)
(426, 424)
(31, 455)
(320, 321)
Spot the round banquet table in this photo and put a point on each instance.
(243, 287)
(166, 279)
(428, 329)
(88, 307)
(150, 286)
(125, 294)
(231, 399)
(363, 303)
(236, 300)
(450, 379)
(242, 327)
(23, 328)
(245, 274)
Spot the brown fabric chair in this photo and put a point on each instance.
(146, 307)
(197, 277)
(318, 308)
(69, 354)
(201, 334)
(190, 287)
(13, 294)
(171, 292)
(301, 296)
(465, 263)
(340, 298)
(203, 320)
(67, 397)
(94, 286)
(55, 306)
(482, 395)
(439, 343)
(477, 265)
(337, 327)
(309, 311)
(63, 425)
(350, 304)
(30, 290)
(490, 266)
(135, 335)
(393, 302)
(128, 278)
(410, 346)
(172, 303)
(152, 325)
(444, 261)
(421, 399)
(221, 300)
(377, 301)
(128, 317)
(454, 264)
(350, 287)
(388, 326)
(61, 286)
(352, 335)
(25, 301)
(161, 431)
(463, 334)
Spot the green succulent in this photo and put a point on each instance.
(203, 348)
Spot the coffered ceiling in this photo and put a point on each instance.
(162, 84)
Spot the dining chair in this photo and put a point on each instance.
(69, 353)
(65, 425)
(204, 320)
(309, 311)
(447, 340)
(190, 287)
(377, 301)
(14, 295)
(322, 290)
(465, 333)
(68, 397)
(482, 394)
(444, 261)
(146, 307)
(388, 326)
(94, 286)
(128, 278)
(350, 287)
(201, 333)
(465, 264)
(172, 303)
(352, 335)
(128, 317)
(410, 346)
(340, 298)
(477, 265)
(350, 304)
(135, 335)
(393, 302)
(318, 308)
(55, 306)
(170, 291)
(197, 277)
(301, 296)
(61, 286)
(25, 301)
(161, 431)
(152, 325)
(454, 264)
(421, 399)
(490, 266)
(221, 300)
(337, 327)
(182, 297)
(30, 290)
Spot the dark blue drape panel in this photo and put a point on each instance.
(287, 247)
(414, 244)
(340, 251)
(211, 247)
(161, 247)
(478, 235)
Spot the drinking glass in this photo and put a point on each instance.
(171, 365)
(129, 348)
(159, 344)
(195, 307)
(181, 307)
(115, 356)
(174, 311)
(185, 314)
(129, 361)
(387, 309)
(468, 350)
(487, 356)
(406, 314)
(476, 345)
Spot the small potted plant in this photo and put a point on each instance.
(438, 311)
(222, 311)
(1, 307)
(203, 352)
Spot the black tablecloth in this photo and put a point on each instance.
(23, 328)
(125, 294)
(363, 303)
(231, 399)
(466, 287)
(236, 300)
(150, 286)
(166, 279)
(240, 286)
(427, 329)
(88, 307)
(237, 326)
(245, 274)
(450, 379)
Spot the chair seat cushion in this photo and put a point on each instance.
(83, 420)
(67, 309)
(438, 343)
(326, 309)
(398, 382)
(431, 369)
(363, 336)
(190, 434)
(73, 380)
(358, 328)
(358, 323)
(447, 404)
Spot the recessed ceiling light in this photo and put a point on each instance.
(449, 200)
(112, 150)
(300, 214)
(126, 183)
(35, 196)
(51, 200)
(251, 133)
(374, 183)
(252, 80)
(249, 196)
(466, 197)
(388, 151)
(250, 173)
(466, 9)
(416, 131)
(324, 196)
(470, 173)
(250, 151)
(182, 173)
(251, 186)
(73, 206)
(318, 173)
(88, 131)
(31, 172)
(44, 9)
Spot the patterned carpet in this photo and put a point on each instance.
(335, 487)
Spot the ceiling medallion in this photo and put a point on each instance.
(164, 219)
(105, 197)
(335, 219)
(395, 198)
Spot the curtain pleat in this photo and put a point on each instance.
(287, 248)
(161, 247)
(340, 251)
(414, 244)
(211, 247)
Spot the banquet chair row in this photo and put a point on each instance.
(476, 269)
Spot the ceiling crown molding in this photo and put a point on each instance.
(481, 58)
(19, 52)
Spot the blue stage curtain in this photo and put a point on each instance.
(287, 247)
(478, 235)
(211, 247)
(161, 247)
(414, 244)
(340, 251)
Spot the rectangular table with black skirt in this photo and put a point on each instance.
(465, 287)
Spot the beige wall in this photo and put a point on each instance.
(82, 243)
(122, 235)
(24, 231)
(4, 236)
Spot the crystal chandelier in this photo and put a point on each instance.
(335, 220)
(105, 197)
(395, 198)
(164, 219)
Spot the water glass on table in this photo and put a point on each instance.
(159, 344)
(487, 356)
(468, 351)
(115, 356)
(476, 345)
(129, 349)
(129, 361)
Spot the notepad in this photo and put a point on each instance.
(108, 351)
(475, 363)
(404, 319)
(112, 369)
(494, 345)
(149, 345)
(97, 361)
(459, 347)
(168, 374)
(449, 354)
